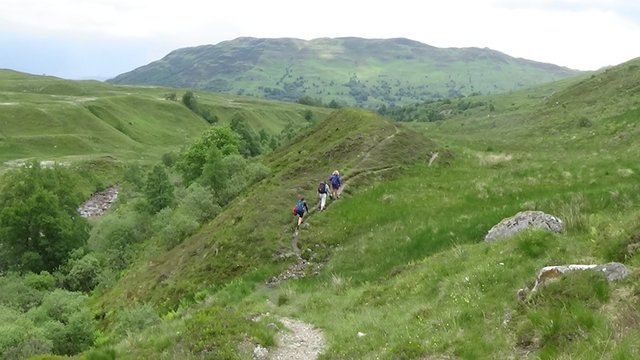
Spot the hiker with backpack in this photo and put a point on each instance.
(323, 191)
(334, 180)
(300, 209)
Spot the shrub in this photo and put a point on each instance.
(116, 233)
(43, 281)
(83, 274)
(174, 226)
(158, 189)
(17, 294)
(102, 354)
(134, 320)
(168, 159)
(67, 320)
(198, 203)
(584, 122)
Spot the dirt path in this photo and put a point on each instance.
(300, 341)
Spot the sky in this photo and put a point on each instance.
(99, 39)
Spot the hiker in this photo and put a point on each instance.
(334, 179)
(300, 209)
(323, 190)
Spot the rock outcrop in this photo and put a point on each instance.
(522, 221)
(613, 271)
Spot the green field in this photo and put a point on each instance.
(54, 119)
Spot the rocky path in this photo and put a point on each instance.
(99, 202)
(300, 341)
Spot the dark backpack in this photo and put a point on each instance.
(299, 208)
(322, 188)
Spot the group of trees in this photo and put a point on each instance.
(190, 101)
(433, 110)
(40, 230)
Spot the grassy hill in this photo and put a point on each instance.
(256, 227)
(401, 258)
(397, 268)
(55, 119)
(350, 71)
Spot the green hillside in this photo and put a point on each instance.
(355, 141)
(349, 71)
(397, 267)
(55, 119)
(401, 256)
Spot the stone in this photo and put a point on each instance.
(613, 271)
(524, 220)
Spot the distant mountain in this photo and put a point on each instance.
(349, 71)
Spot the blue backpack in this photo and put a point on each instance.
(335, 181)
(299, 208)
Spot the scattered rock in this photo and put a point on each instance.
(613, 271)
(522, 221)
(295, 271)
(99, 202)
(388, 198)
(433, 158)
(260, 353)
(301, 342)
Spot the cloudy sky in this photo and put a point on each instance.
(79, 39)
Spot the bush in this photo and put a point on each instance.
(17, 294)
(168, 159)
(67, 320)
(198, 203)
(174, 226)
(116, 233)
(83, 274)
(102, 354)
(134, 320)
(158, 189)
(43, 281)
(584, 123)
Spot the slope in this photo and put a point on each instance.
(412, 277)
(351, 71)
(50, 118)
(408, 276)
(248, 237)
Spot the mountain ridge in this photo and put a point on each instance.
(351, 71)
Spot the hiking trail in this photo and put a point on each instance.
(299, 341)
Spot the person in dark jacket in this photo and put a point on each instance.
(300, 209)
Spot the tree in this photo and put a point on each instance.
(191, 161)
(308, 115)
(39, 221)
(189, 100)
(158, 189)
(334, 104)
(250, 142)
